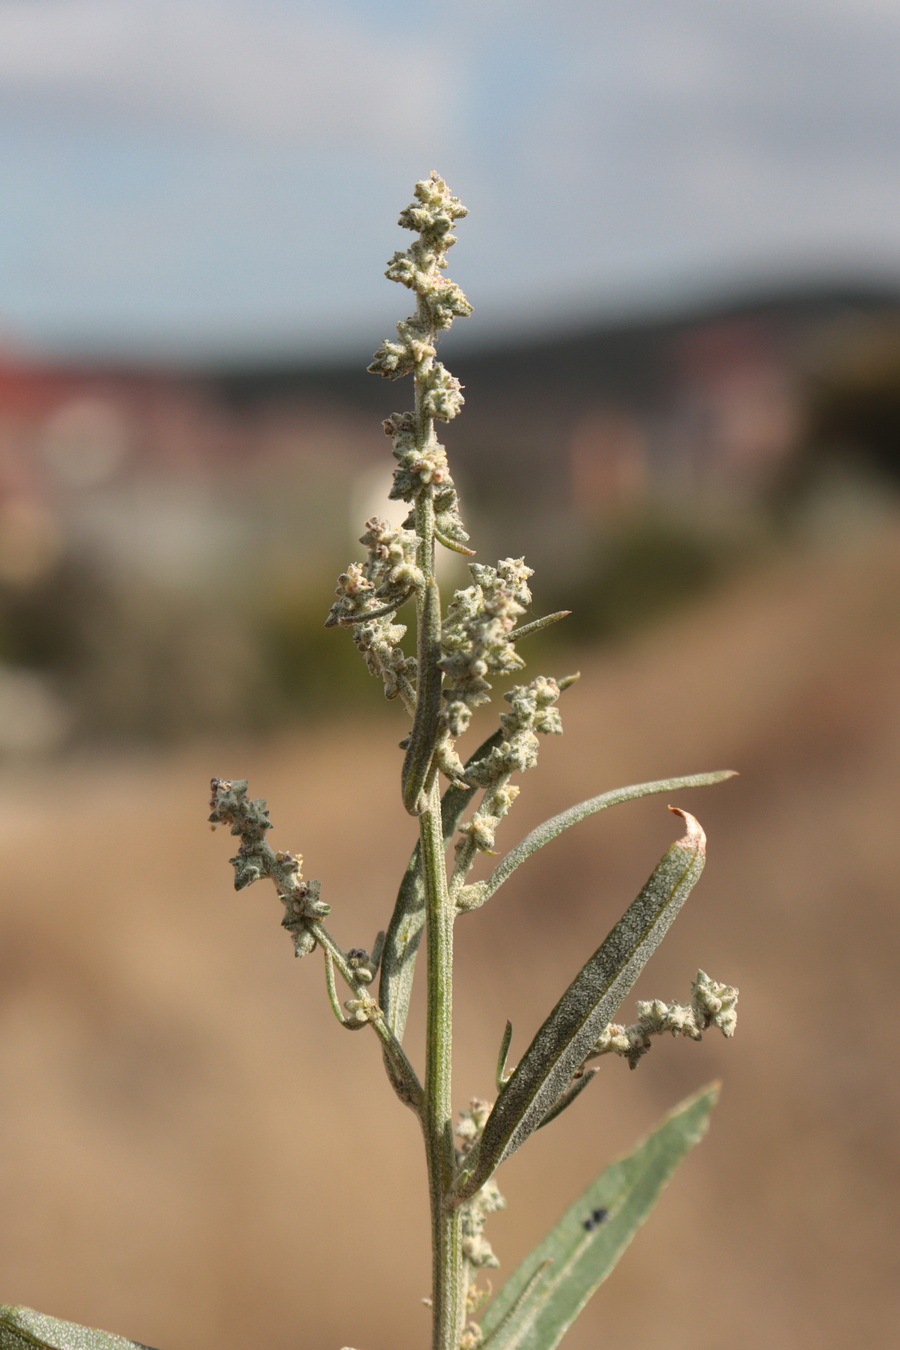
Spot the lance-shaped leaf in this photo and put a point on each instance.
(473, 896)
(418, 766)
(568, 1097)
(538, 625)
(542, 1298)
(564, 1041)
(25, 1329)
(398, 959)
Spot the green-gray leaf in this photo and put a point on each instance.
(473, 896)
(25, 1329)
(564, 1041)
(418, 767)
(542, 1298)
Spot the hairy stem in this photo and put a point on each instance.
(448, 1291)
(448, 1294)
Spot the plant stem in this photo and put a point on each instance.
(405, 1081)
(448, 1292)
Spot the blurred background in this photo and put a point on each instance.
(683, 406)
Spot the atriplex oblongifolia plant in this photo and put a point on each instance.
(458, 651)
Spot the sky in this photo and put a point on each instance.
(222, 178)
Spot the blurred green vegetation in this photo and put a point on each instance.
(851, 425)
(313, 669)
(136, 660)
(644, 569)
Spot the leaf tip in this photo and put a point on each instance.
(709, 1094)
(694, 836)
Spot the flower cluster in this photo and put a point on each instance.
(712, 1004)
(360, 1011)
(249, 819)
(477, 1251)
(475, 637)
(384, 581)
(424, 465)
(418, 467)
(377, 640)
(368, 593)
(422, 461)
(419, 267)
(531, 711)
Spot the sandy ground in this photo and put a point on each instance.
(194, 1154)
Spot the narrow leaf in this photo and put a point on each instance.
(568, 1097)
(377, 949)
(542, 1298)
(504, 1051)
(522, 1297)
(564, 1041)
(472, 897)
(398, 958)
(25, 1329)
(347, 620)
(453, 544)
(538, 625)
(418, 769)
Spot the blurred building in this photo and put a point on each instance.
(168, 537)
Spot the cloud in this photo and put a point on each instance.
(699, 122)
(295, 75)
(212, 168)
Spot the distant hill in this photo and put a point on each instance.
(673, 382)
(623, 352)
(144, 512)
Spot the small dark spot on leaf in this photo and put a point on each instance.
(594, 1219)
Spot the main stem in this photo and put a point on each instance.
(448, 1283)
(448, 1291)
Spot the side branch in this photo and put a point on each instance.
(304, 911)
(363, 1008)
